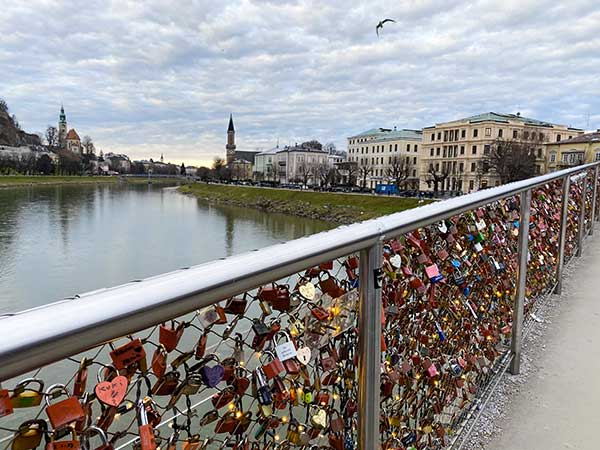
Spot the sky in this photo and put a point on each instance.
(152, 77)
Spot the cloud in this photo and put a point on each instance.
(150, 77)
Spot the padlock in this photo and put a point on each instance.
(211, 375)
(293, 433)
(192, 443)
(71, 444)
(29, 435)
(64, 412)
(167, 384)
(200, 349)
(263, 391)
(105, 444)
(285, 350)
(128, 354)
(190, 386)
(159, 361)
(6, 406)
(81, 378)
(236, 305)
(281, 301)
(273, 367)
(145, 430)
(170, 335)
(261, 334)
(23, 397)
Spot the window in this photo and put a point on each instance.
(437, 167)
(471, 185)
(565, 157)
(475, 132)
(372, 160)
(390, 160)
(439, 135)
(533, 136)
(553, 157)
(597, 156)
(515, 134)
(414, 173)
(431, 151)
(474, 150)
(488, 131)
(433, 136)
(472, 167)
(462, 149)
(486, 149)
(539, 152)
(500, 131)
(525, 135)
(484, 184)
(408, 147)
(463, 134)
(437, 151)
(444, 152)
(461, 167)
(558, 138)
(538, 169)
(446, 136)
(396, 147)
(390, 147)
(416, 147)
(414, 160)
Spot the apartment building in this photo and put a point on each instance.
(581, 149)
(292, 164)
(458, 148)
(381, 151)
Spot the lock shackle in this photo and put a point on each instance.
(110, 368)
(267, 353)
(51, 389)
(90, 431)
(21, 385)
(28, 425)
(138, 389)
(283, 333)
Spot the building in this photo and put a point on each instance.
(581, 149)
(240, 163)
(386, 156)
(453, 152)
(118, 162)
(301, 164)
(265, 165)
(68, 140)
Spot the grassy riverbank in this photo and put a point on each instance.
(23, 180)
(338, 208)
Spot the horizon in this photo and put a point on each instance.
(291, 71)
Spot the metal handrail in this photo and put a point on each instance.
(77, 324)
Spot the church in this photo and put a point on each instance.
(240, 163)
(68, 140)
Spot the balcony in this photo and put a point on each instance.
(392, 332)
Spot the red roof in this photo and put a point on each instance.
(72, 134)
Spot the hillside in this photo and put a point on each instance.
(11, 136)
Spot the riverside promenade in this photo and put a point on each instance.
(557, 407)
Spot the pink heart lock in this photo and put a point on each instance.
(432, 371)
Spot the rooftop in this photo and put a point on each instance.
(583, 138)
(390, 134)
(506, 118)
(72, 134)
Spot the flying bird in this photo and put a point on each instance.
(380, 25)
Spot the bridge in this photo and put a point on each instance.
(392, 333)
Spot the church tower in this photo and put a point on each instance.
(62, 128)
(230, 147)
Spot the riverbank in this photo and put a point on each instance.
(337, 208)
(9, 181)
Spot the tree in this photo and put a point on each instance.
(305, 171)
(3, 105)
(52, 137)
(69, 163)
(88, 145)
(511, 159)
(399, 170)
(203, 173)
(363, 172)
(182, 169)
(218, 167)
(137, 168)
(44, 165)
(435, 176)
(312, 144)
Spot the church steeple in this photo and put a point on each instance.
(62, 128)
(230, 147)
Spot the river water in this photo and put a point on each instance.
(62, 240)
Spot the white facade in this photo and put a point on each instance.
(291, 164)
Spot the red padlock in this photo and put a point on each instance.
(64, 412)
(273, 368)
(128, 354)
(71, 444)
(80, 378)
(145, 430)
(6, 407)
(169, 336)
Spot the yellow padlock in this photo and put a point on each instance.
(29, 435)
(24, 397)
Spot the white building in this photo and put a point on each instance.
(296, 164)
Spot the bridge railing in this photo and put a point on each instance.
(387, 333)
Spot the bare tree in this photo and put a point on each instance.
(88, 145)
(305, 171)
(3, 105)
(511, 159)
(363, 172)
(399, 170)
(51, 137)
(218, 167)
(436, 177)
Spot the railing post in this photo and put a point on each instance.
(517, 326)
(564, 222)
(581, 228)
(594, 198)
(369, 355)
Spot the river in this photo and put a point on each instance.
(63, 240)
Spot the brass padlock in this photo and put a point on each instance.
(29, 435)
(23, 397)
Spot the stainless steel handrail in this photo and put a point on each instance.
(69, 327)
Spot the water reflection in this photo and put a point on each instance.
(58, 241)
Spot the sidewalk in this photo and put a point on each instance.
(560, 406)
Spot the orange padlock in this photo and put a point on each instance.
(71, 444)
(169, 335)
(6, 407)
(145, 430)
(128, 354)
(64, 412)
